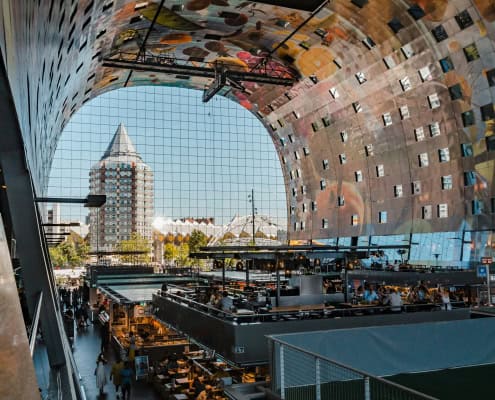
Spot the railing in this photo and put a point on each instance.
(34, 326)
(298, 374)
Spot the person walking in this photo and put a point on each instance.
(115, 376)
(126, 378)
(101, 377)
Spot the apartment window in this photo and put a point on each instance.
(291, 174)
(395, 25)
(477, 207)
(297, 156)
(342, 158)
(359, 176)
(354, 220)
(425, 74)
(434, 129)
(334, 93)
(443, 210)
(490, 76)
(447, 182)
(404, 112)
(369, 43)
(291, 139)
(326, 121)
(315, 126)
(281, 122)
(416, 187)
(389, 62)
(325, 164)
(468, 118)
(314, 206)
(357, 107)
(298, 172)
(284, 160)
(487, 112)
(361, 78)
(282, 141)
(303, 225)
(294, 192)
(471, 52)
(398, 191)
(387, 119)
(439, 33)
(464, 20)
(416, 12)
(344, 136)
(419, 134)
(296, 114)
(382, 217)
(426, 212)
(304, 208)
(467, 149)
(455, 91)
(469, 178)
(303, 190)
(368, 150)
(446, 64)
(490, 143)
(444, 154)
(324, 223)
(405, 83)
(323, 184)
(380, 170)
(434, 101)
(306, 151)
(340, 201)
(407, 50)
(423, 159)
(359, 3)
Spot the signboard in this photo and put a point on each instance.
(481, 271)
(141, 366)
(486, 260)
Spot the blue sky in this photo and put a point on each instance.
(205, 157)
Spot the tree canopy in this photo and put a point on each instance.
(136, 243)
(71, 253)
(198, 239)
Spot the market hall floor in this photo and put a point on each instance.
(86, 349)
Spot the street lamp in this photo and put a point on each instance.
(253, 212)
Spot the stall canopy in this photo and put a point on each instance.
(130, 294)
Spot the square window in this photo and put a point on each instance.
(407, 50)
(423, 159)
(304, 207)
(295, 226)
(477, 207)
(425, 74)
(395, 25)
(443, 210)
(434, 129)
(468, 118)
(324, 223)
(382, 217)
(464, 20)
(303, 225)
(354, 220)
(359, 3)
(416, 12)
(361, 77)
(490, 143)
(306, 151)
(314, 206)
(416, 187)
(469, 178)
(340, 201)
(342, 158)
(389, 62)
(282, 141)
(419, 134)
(326, 121)
(434, 101)
(426, 212)
(447, 182)
(357, 107)
(369, 43)
(344, 136)
(325, 164)
(334, 92)
(446, 64)
(294, 192)
(444, 154)
(359, 176)
(439, 33)
(380, 170)
(323, 184)
(315, 126)
(467, 149)
(398, 191)
(404, 112)
(487, 112)
(490, 76)
(455, 91)
(471, 52)
(387, 119)
(368, 149)
(405, 83)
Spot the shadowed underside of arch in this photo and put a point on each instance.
(387, 130)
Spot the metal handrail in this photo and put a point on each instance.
(34, 325)
(354, 370)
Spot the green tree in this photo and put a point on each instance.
(183, 255)
(136, 243)
(198, 239)
(58, 259)
(72, 252)
(170, 252)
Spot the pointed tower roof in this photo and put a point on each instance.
(121, 144)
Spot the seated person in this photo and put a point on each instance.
(394, 300)
(227, 302)
(370, 296)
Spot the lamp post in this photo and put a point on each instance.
(253, 211)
